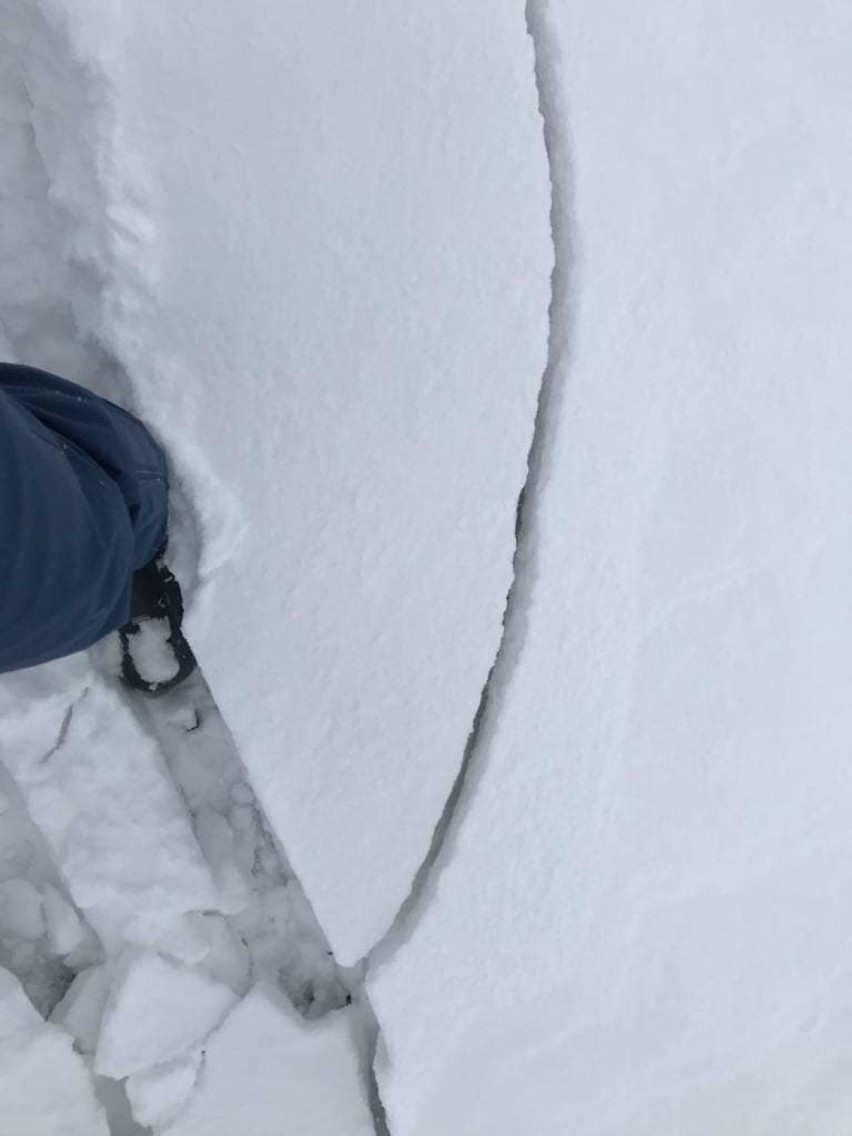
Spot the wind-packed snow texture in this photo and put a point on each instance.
(641, 925)
(348, 318)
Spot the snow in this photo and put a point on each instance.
(268, 1072)
(82, 1008)
(64, 928)
(45, 1089)
(344, 309)
(157, 1012)
(114, 832)
(31, 898)
(21, 910)
(98, 790)
(641, 921)
(309, 243)
(159, 1095)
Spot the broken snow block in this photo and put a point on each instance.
(269, 1072)
(158, 1012)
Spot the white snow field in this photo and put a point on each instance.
(641, 924)
(555, 794)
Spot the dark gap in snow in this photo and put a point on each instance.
(116, 1105)
(373, 1040)
(524, 572)
(73, 144)
(64, 727)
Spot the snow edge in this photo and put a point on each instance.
(525, 556)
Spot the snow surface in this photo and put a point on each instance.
(348, 317)
(309, 243)
(642, 923)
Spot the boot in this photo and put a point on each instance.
(155, 656)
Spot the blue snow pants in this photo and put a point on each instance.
(83, 504)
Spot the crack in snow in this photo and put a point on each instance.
(64, 728)
(111, 371)
(524, 560)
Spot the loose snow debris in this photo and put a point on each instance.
(45, 1089)
(270, 1073)
(157, 1011)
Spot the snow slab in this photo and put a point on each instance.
(330, 294)
(642, 925)
(157, 1012)
(270, 1073)
(45, 1088)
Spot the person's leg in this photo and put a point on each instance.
(114, 439)
(83, 503)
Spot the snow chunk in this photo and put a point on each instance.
(267, 1070)
(158, 1095)
(156, 1012)
(45, 1089)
